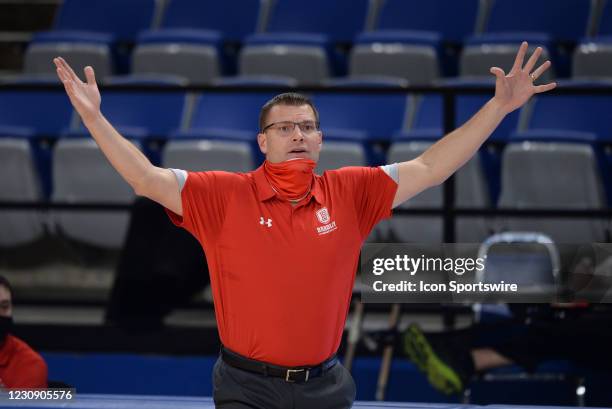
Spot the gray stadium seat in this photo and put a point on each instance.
(340, 154)
(82, 174)
(19, 182)
(417, 64)
(470, 191)
(39, 57)
(552, 175)
(201, 155)
(199, 64)
(476, 60)
(592, 61)
(307, 64)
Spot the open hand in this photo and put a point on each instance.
(84, 96)
(514, 89)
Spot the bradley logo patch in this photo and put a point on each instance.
(323, 215)
(324, 218)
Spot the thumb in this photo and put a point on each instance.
(498, 72)
(90, 75)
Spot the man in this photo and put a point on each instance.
(20, 365)
(272, 236)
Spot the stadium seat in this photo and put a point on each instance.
(593, 59)
(417, 64)
(586, 113)
(192, 155)
(89, 33)
(19, 181)
(307, 64)
(198, 64)
(300, 39)
(81, 175)
(121, 20)
(198, 39)
(552, 175)
(480, 54)
(452, 21)
(566, 24)
(144, 114)
(319, 17)
(408, 39)
(471, 191)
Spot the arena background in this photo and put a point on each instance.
(114, 311)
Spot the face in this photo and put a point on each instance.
(6, 302)
(279, 146)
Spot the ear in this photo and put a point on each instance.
(320, 141)
(262, 141)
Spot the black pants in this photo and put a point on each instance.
(235, 388)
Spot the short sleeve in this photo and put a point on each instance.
(204, 198)
(372, 192)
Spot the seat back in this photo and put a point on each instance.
(82, 175)
(552, 175)
(19, 182)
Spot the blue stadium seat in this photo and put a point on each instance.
(586, 113)
(414, 32)
(378, 117)
(140, 115)
(363, 118)
(578, 118)
(546, 24)
(566, 23)
(93, 25)
(604, 25)
(450, 20)
(123, 20)
(340, 20)
(215, 27)
(313, 25)
(228, 116)
(34, 114)
(232, 20)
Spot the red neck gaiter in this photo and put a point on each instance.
(292, 178)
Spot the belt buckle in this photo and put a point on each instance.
(289, 371)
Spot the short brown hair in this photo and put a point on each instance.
(288, 98)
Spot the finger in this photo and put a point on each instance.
(540, 70)
(520, 56)
(69, 70)
(90, 75)
(545, 87)
(498, 72)
(533, 59)
(62, 74)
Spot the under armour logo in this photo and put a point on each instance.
(267, 223)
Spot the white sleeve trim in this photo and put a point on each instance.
(181, 177)
(392, 171)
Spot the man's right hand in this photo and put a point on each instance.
(84, 96)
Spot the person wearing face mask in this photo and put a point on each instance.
(283, 243)
(20, 365)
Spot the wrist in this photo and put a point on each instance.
(497, 106)
(93, 120)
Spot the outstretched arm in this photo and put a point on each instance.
(447, 155)
(157, 184)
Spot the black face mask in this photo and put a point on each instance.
(6, 327)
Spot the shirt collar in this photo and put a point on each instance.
(265, 191)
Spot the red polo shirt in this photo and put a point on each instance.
(21, 366)
(282, 276)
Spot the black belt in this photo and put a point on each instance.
(294, 374)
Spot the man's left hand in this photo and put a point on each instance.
(514, 89)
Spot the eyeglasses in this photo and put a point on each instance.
(286, 128)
